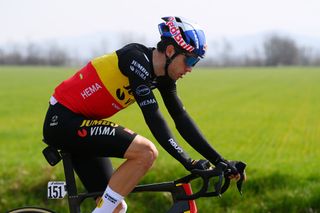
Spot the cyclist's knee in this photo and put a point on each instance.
(142, 150)
(147, 152)
(150, 154)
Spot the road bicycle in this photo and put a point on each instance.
(214, 183)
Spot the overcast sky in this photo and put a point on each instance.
(41, 19)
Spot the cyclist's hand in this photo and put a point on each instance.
(231, 171)
(199, 164)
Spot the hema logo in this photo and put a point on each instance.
(90, 90)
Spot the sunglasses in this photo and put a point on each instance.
(191, 60)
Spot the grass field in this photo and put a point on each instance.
(267, 117)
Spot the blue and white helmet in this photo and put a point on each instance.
(188, 35)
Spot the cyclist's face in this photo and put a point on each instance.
(178, 67)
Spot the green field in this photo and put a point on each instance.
(267, 117)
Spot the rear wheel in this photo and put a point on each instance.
(30, 209)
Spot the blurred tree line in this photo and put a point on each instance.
(275, 51)
(34, 54)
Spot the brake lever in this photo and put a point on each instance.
(241, 169)
(240, 166)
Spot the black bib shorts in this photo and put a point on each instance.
(90, 142)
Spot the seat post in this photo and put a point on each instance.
(74, 204)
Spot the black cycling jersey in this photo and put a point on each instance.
(135, 62)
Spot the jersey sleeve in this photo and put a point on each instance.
(137, 68)
(184, 123)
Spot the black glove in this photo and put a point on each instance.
(233, 170)
(198, 164)
(231, 167)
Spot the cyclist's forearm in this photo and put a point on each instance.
(163, 135)
(192, 134)
(186, 127)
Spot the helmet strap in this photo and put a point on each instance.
(168, 62)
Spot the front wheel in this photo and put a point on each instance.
(30, 210)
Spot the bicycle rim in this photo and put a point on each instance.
(30, 209)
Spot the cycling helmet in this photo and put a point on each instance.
(188, 35)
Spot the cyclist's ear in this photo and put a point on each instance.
(170, 50)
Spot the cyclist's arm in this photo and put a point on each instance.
(184, 123)
(161, 131)
(149, 106)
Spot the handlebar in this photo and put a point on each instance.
(220, 186)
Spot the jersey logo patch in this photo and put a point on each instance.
(142, 90)
(82, 133)
(102, 130)
(139, 70)
(102, 122)
(121, 95)
(175, 145)
(113, 80)
(147, 102)
(90, 90)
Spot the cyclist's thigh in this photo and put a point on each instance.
(94, 172)
(100, 138)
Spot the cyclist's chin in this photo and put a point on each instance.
(179, 76)
(174, 76)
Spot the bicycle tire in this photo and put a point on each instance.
(30, 210)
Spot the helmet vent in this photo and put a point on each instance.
(178, 19)
(182, 33)
(192, 43)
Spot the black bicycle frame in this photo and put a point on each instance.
(181, 192)
(176, 189)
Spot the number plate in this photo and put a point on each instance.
(56, 189)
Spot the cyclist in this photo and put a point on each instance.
(76, 118)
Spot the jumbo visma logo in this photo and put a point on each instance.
(103, 122)
(97, 128)
(82, 133)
